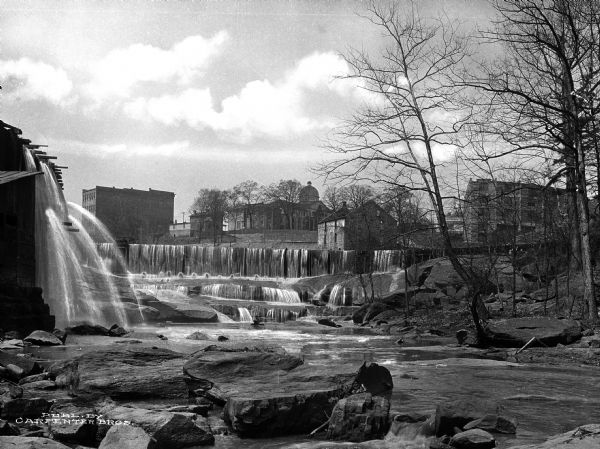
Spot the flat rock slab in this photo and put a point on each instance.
(126, 372)
(516, 332)
(15, 442)
(584, 437)
(266, 391)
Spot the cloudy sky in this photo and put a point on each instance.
(181, 95)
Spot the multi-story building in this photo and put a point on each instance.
(136, 215)
(366, 227)
(303, 215)
(495, 211)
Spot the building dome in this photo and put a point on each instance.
(308, 194)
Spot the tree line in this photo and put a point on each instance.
(518, 99)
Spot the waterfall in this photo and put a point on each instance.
(342, 295)
(245, 316)
(76, 284)
(226, 261)
(251, 292)
(280, 295)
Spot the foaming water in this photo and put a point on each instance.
(245, 316)
(75, 282)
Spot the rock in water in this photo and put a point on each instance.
(127, 437)
(117, 331)
(583, 437)
(14, 442)
(376, 379)
(43, 338)
(494, 423)
(266, 392)
(515, 332)
(473, 439)
(456, 414)
(359, 417)
(197, 336)
(87, 329)
(328, 322)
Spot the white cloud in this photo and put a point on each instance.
(25, 79)
(441, 152)
(123, 69)
(261, 107)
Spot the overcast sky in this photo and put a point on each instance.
(181, 95)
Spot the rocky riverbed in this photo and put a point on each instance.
(273, 385)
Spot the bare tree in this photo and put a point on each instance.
(538, 96)
(287, 193)
(211, 205)
(247, 194)
(414, 115)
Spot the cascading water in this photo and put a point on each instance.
(76, 285)
(343, 295)
(245, 316)
(227, 261)
(251, 292)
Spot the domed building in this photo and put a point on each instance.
(309, 194)
(280, 215)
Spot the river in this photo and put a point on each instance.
(545, 400)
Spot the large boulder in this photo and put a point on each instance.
(81, 429)
(494, 423)
(170, 430)
(473, 439)
(127, 437)
(24, 408)
(18, 367)
(17, 442)
(515, 332)
(456, 414)
(124, 372)
(359, 417)
(442, 275)
(43, 338)
(87, 329)
(583, 437)
(9, 390)
(266, 392)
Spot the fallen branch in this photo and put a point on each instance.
(321, 426)
(530, 342)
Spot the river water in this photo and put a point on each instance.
(545, 400)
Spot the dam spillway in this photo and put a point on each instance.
(171, 260)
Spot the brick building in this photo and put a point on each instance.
(495, 210)
(278, 215)
(140, 216)
(366, 227)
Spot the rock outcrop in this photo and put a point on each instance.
(124, 372)
(359, 417)
(266, 392)
(23, 442)
(583, 437)
(169, 430)
(515, 332)
(43, 338)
